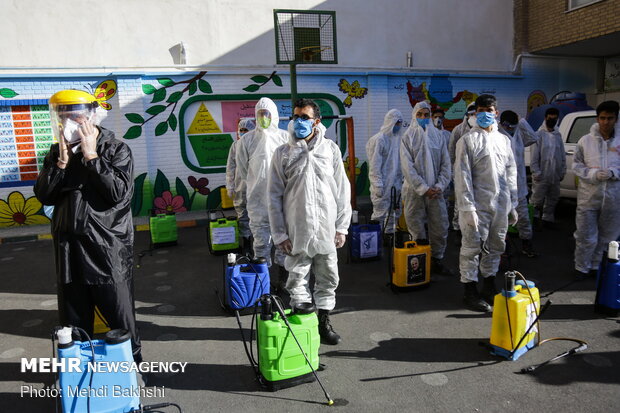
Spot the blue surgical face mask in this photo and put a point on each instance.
(485, 119)
(396, 128)
(423, 122)
(303, 128)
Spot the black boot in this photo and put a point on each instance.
(246, 246)
(472, 299)
(438, 268)
(489, 291)
(326, 331)
(282, 279)
(528, 248)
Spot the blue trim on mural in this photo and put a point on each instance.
(18, 183)
(19, 102)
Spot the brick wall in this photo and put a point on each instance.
(541, 24)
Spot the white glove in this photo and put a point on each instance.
(469, 218)
(603, 174)
(340, 239)
(513, 217)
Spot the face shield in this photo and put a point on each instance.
(66, 119)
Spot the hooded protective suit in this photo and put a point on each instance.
(238, 197)
(522, 137)
(425, 164)
(548, 168)
(597, 219)
(384, 169)
(485, 181)
(310, 199)
(253, 157)
(458, 131)
(92, 230)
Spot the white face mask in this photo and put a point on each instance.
(70, 131)
(471, 121)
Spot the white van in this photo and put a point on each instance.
(572, 127)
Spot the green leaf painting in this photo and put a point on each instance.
(161, 184)
(138, 197)
(156, 110)
(172, 121)
(251, 88)
(8, 93)
(204, 86)
(159, 95)
(182, 190)
(161, 128)
(134, 118)
(175, 97)
(133, 132)
(148, 89)
(166, 81)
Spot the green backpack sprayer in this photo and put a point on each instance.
(287, 344)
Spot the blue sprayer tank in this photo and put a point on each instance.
(110, 392)
(608, 283)
(564, 102)
(366, 241)
(245, 283)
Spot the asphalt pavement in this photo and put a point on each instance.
(417, 351)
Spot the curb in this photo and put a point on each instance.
(143, 227)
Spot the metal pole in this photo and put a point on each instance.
(293, 87)
(351, 145)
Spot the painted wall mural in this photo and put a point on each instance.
(352, 90)
(180, 126)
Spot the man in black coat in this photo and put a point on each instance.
(88, 177)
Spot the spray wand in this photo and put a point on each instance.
(283, 315)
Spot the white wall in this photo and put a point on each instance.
(473, 35)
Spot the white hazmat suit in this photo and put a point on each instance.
(459, 130)
(522, 137)
(548, 168)
(253, 157)
(384, 170)
(425, 164)
(485, 181)
(310, 200)
(597, 219)
(238, 197)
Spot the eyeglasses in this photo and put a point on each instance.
(303, 117)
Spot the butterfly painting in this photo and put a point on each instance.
(105, 91)
(353, 90)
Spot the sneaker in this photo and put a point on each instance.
(326, 331)
(472, 299)
(527, 248)
(489, 291)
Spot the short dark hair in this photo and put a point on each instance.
(438, 110)
(552, 111)
(607, 106)
(486, 101)
(509, 116)
(303, 102)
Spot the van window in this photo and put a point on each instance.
(580, 127)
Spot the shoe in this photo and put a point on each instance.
(489, 291)
(438, 268)
(527, 248)
(472, 299)
(326, 331)
(548, 224)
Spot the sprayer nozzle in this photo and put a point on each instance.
(330, 402)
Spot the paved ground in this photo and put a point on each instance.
(416, 351)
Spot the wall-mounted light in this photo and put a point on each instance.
(179, 54)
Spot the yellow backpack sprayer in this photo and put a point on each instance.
(515, 328)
